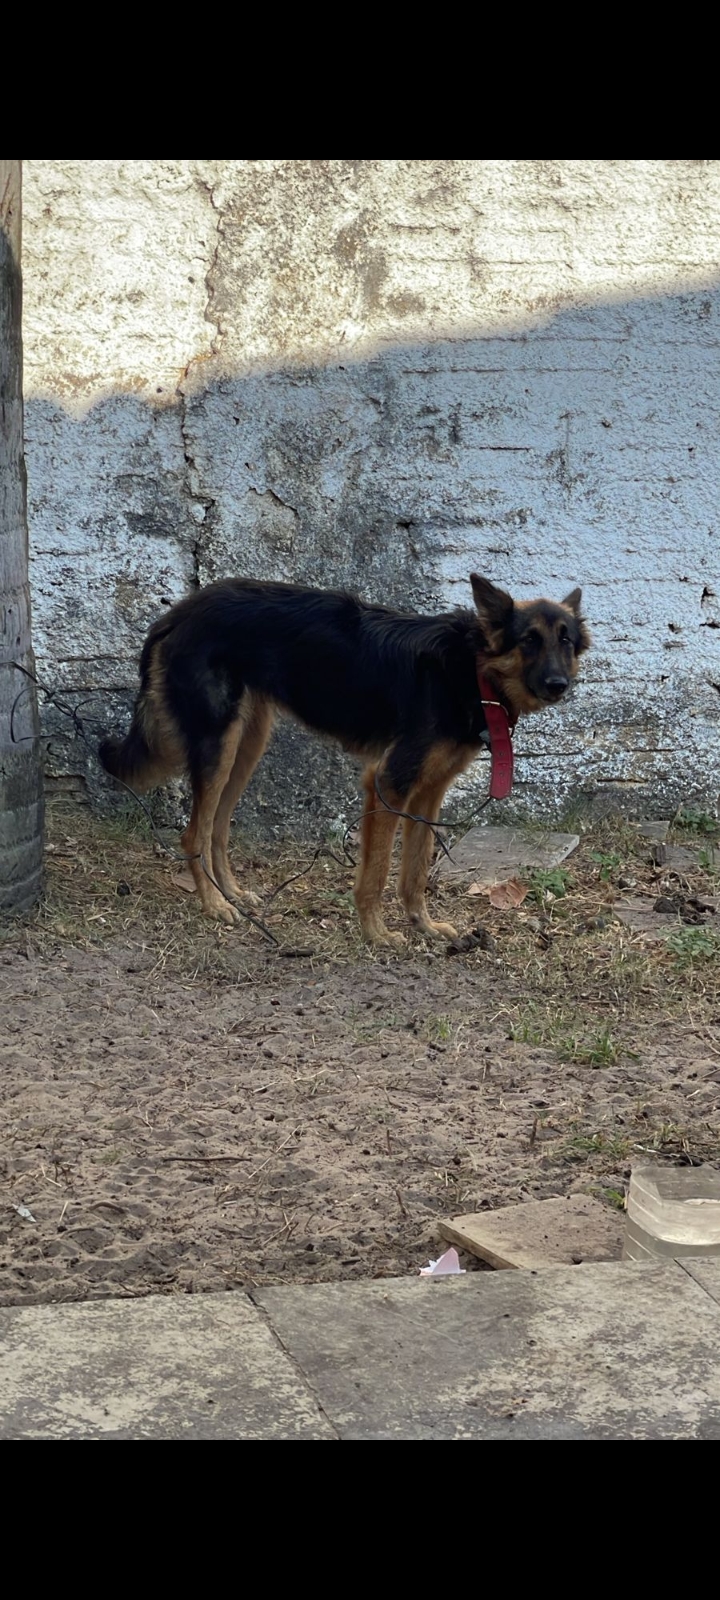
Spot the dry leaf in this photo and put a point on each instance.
(507, 896)
(184, 880)
(477, 888)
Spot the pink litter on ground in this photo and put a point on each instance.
(446, 1266)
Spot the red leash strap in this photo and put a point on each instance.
(500, 729)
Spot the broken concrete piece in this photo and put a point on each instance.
(541, 1233)
(639, 915)
(657, 831)
(493, 855)
(678, 858)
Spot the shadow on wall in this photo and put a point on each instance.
(582, 449)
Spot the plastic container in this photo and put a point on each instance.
(672, 1212)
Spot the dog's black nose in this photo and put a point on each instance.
(556, 686)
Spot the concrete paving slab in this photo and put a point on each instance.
(541, 1233)
(599, 1352)
(656, 831)
(637, 913)
(679, 858)
(706, 1273)
(493, 855)
(201, 1367)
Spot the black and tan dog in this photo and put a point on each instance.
(401, 691)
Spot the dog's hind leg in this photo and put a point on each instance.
(378, 830)
(442, 764)
(252, 746)
(212, 765)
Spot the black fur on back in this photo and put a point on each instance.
(361, 673)
(366, 675)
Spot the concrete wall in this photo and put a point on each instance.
(386, 374)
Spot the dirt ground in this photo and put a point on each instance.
(185, 1108)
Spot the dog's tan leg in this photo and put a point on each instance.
(441, 766)
(379, 827)
(208, 787)
(252, 746)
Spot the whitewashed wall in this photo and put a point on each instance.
(384, 375)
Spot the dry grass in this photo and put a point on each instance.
(566, 973)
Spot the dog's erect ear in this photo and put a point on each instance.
(582, 639)
(494, 608)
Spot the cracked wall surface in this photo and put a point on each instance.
(386, 375)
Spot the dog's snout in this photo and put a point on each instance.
(556, 685)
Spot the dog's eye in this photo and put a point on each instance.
(563, 635)
(533, 638)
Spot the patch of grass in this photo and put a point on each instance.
(553, 881)
(530, 1028)
(563, 1032)
(690, 945)
(607, 862)
(615, 835)
(597, 1049)
(438, 1029)
(346, 900)
(615, 1197)
(576, 818)
(689, 820)
(587, 1000)
(707, 859)
(691, 1144)
(668, 1139)
(128, 821)
(527, 1033)
(615, 1146)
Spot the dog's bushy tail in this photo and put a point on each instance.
(129, 759)
(149, 752)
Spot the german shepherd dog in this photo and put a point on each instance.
(399, 690)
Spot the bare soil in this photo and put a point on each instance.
(185, 1108)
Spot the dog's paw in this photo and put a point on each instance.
(441, 930)
(376, 933)
(243, 897)
(221, 911)
(433, 930)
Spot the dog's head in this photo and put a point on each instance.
(531, 647)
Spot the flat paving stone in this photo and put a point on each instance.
(492, 855)
(170, 1367)
(636, 911)
(541, 1233)
(589, 1352)
(679, 858)
(706, 1273)
(599, 1352)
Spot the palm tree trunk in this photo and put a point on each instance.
(21, 786)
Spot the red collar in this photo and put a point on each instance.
(500, 727)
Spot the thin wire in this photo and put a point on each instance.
(175, 855)
(412, 816)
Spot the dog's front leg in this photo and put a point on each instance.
(416, 857)
(379, 826)
(440, 766)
